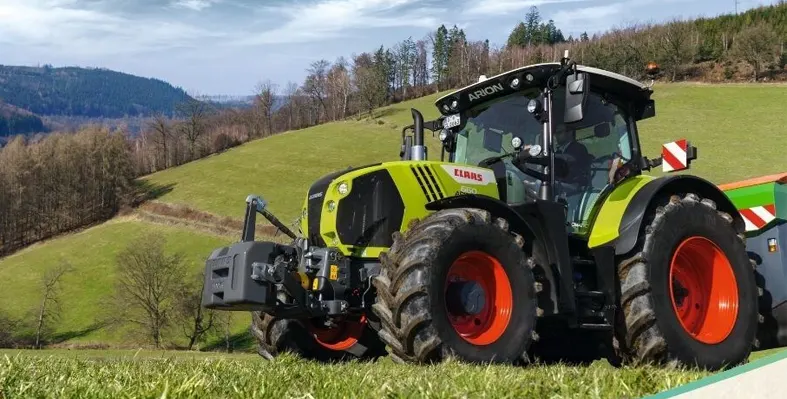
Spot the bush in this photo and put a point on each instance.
(223, 142)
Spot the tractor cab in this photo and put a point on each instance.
(496, 121)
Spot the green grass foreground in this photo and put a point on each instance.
(148, 374)
(65, 376)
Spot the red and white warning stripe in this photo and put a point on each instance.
(758, 217)
(674, 156)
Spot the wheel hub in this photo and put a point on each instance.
(466, 298)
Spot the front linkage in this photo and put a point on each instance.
(288, 281)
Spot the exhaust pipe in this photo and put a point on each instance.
(419, 150)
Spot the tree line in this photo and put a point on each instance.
(65, 181)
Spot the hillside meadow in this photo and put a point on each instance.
(736, 127)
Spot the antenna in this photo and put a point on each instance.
(736, 6)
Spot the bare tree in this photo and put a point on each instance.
(162, 132)
(195, 125)
(339, 86)
(9, 328)
(289, 107)
(316, 85)
(676, 41)
(148, 282)
(266, 101)
(370, 81)
(758, 45)
(50, 303)
(196, 321)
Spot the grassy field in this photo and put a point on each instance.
(111, 374)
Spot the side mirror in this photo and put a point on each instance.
(577, 88)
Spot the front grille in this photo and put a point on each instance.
(371, 212)
(428, 183)
(314, 210)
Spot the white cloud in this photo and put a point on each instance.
(67, 27)
(195, 5)
(488, 8)
(331, 18)
(601, 18)
(587, 14)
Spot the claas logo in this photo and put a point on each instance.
(468, 175)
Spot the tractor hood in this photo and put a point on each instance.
(358, 209)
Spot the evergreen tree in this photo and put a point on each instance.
(440, 54)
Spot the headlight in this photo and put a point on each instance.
(443, 135)
(532, 106)
(344, 188)
(454, 104)
(516, 142)
(535, 150)
(331, 206)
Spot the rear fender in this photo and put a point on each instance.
(541, 221)
(645, 199)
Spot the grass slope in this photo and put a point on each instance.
(734, 127)
(92, 254)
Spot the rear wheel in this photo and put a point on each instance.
(688, 293)
(457, 284)
(308, 339)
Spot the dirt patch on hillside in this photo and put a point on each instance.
(159, 212)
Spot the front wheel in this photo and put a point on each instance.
(457, 284)
(688, 292)
(310, 340)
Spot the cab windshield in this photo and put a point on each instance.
(595, 142)
(490, 128)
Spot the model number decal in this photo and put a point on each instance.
(473, 176)
(481, 93)
(464, 190)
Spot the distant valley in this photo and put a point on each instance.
(43, 99)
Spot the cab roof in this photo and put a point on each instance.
(623, 87)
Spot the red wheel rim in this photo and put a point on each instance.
(339, 338)
(489, 324)
(703, 290)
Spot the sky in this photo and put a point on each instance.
(226, 47)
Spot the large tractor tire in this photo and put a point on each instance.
(303, 338)
(459, 285)
(687, 291)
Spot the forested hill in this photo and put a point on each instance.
(94, 93)
(15, 121)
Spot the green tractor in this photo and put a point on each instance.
(535, 237)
